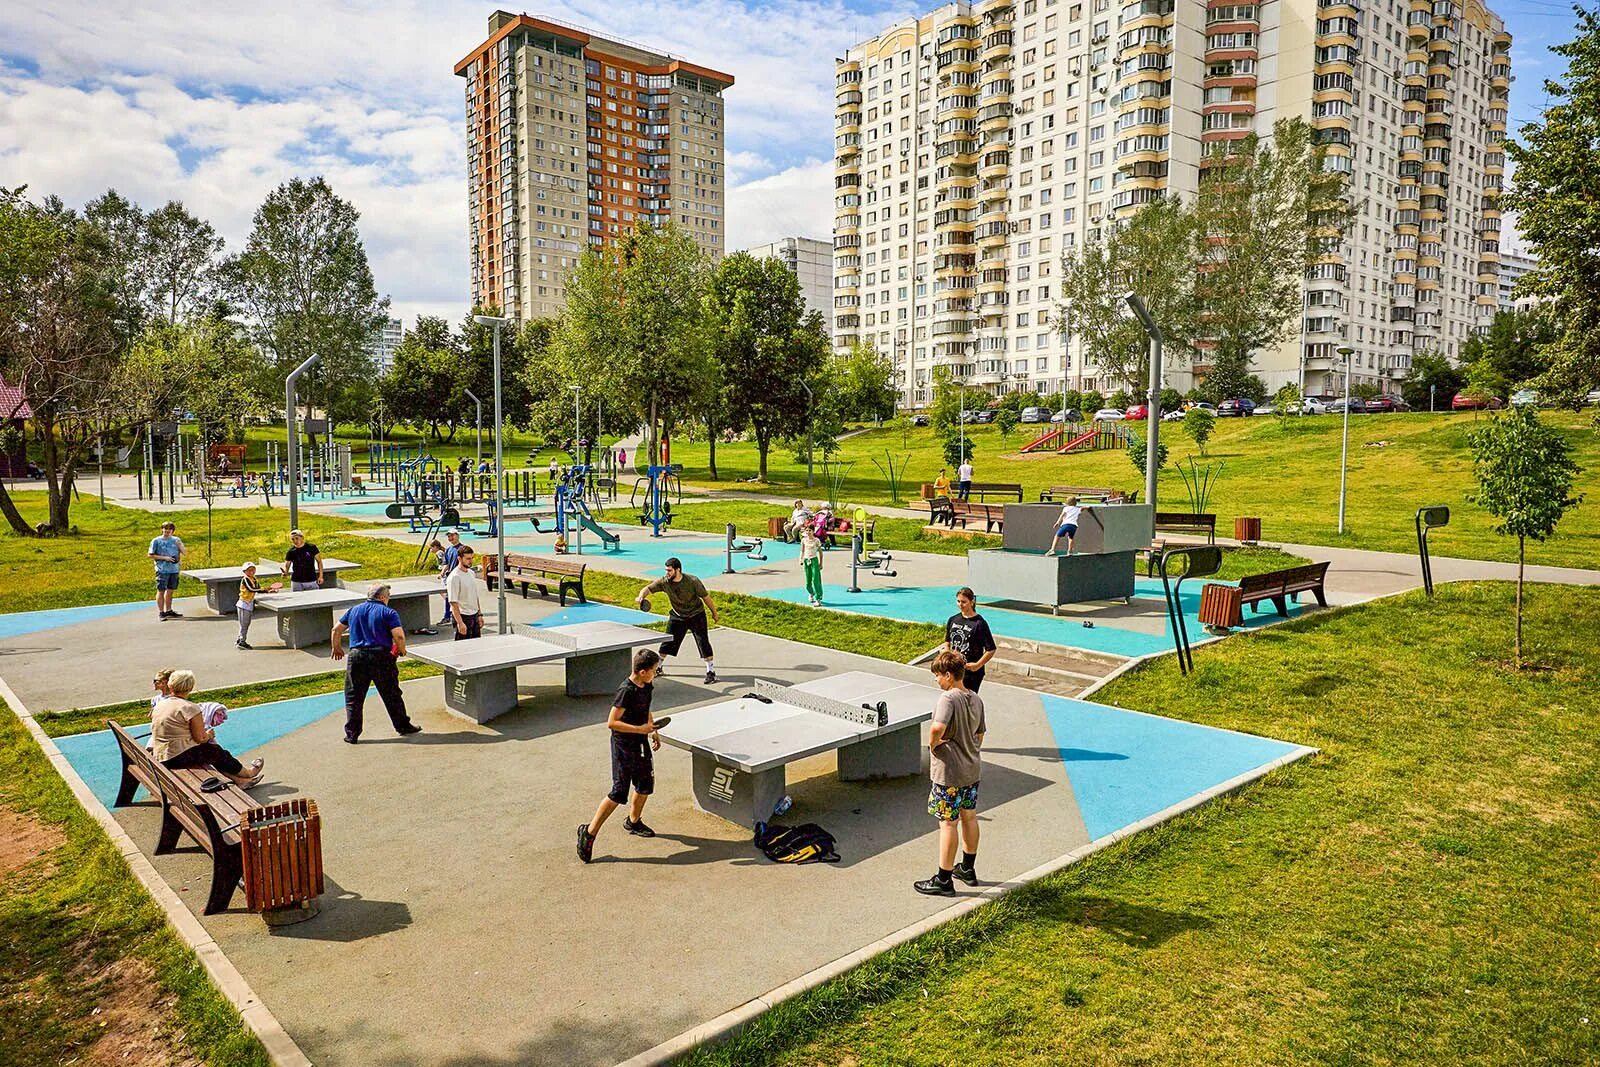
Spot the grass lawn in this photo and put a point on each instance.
(84, 952)
(1287, 477)
(105, 561)
(1422, 892)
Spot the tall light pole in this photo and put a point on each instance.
(1153, 411)
(811, 435)
(1344, 446)
(497, 321)
(479, 405)
(961, 417)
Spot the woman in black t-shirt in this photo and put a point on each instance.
(966, 632)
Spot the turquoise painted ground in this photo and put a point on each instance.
(22, 623)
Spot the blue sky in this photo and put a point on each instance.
(216, 105)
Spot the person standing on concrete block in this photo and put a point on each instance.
(302, 563)
(1066, 526)
(964, 477)
(466, 605)
(689, 604)
(167, 551)
(377, 640)
(968, 633)
(955, 763)
(632, 765)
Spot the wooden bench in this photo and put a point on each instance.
(524, 570)
(1059, 493)
(1185, 522)
(953, 513)
(1282, 586)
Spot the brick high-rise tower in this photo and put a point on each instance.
(571, 139)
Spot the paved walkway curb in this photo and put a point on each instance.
(281, 1048)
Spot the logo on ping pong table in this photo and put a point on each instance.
(722, 784)
(460, 689)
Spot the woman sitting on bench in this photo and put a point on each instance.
(179, 737)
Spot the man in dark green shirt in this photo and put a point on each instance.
(689, 603)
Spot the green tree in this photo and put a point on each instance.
(61, 336)
(864, 380)
(1512, 353)
(426, 378)
(1198, 423)
(1267, 209)
(180, 262)
(476, 347)
(1137, 451)
(1432, 379)
(1365, 391)
(1152, 255)
(1285, 402)
(1005, 420)
(306, 289)
(635, 329)
(1525, 472)
(207, 368)
(1557, 170)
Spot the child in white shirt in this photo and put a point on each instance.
(1066, 525)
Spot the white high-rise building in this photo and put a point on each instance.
(974, 145)
(811, 262)
(384, 342)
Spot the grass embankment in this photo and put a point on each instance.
(1422, 892)
(85, 955)
(105, 562)
(1287, 477)
(907, 535)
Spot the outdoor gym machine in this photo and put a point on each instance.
(752, 550)
(1429, 519)
(878, 561)
(1203, 560)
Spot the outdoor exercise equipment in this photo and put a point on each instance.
(878, 562)
(1201, 561)
(661, 483)
(1429, 519)
(572, 511)
(752, 549)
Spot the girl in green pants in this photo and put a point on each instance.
(811, 563)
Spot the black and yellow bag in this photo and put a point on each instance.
(806, 843)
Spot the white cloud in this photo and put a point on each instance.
(217, 110)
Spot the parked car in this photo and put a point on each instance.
(1070, 415)
(919, 420)
(1137, 412)
(1355, 404)
(1524, 397)
(986, 416)
(1108, 415)
(1034, 415)
(1592, 397)
(1310, 405)
(1239, 405)
(1201, 404)
(1173, 416)
(1464, 402)
(1381, 405)
(1266, 409)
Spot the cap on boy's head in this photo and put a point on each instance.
(297, 533)
(453, 535)
(673, 564)
(247, 565)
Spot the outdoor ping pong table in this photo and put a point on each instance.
(741, 747)
(480, 676)
(222, 583)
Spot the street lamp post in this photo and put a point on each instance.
(811, 433)
(479, 404)
(289, 401)
(497, 322)
(1344, 446)
(1153, 409)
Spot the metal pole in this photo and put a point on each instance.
(577, 422)
(499, 466)
(961, 420)
(474, 398)
(288, 410)
(1344, 446)
(811, 435)
(1153, 433)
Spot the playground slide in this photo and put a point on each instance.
(1077, 442)
(611, 540)
(1048, 439)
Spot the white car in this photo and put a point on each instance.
(1265, 409)
(1309, 406)
(1108, 415)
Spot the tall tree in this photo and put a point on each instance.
(305, 288)
(477, 351)
(425, 381)
(1513, 352)
(208, 368)
(766, 349)
(1525, 473)
(865, 381)
(1553, 193)
(125, 267)
(60, 335)
(1152, 255)
(1266, 211)
(633, 328)
(179, 253)
(1432, 382)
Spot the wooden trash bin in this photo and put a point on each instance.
(1247, 531)
(281, 846)
(1220, 606)
(775, 527)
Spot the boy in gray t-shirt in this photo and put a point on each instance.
(955, 763)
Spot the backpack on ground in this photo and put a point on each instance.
(807, 843)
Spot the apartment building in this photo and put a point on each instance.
(1513, 265)
(977, 144)
(572, 138)
(385, 340)
(811, 262)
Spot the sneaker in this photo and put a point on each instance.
(637, 829)
(711, 677)
(967, 874)
(349, 740)
(585, 843)
(174, 614)
(242, 643)
(935, 887)
(409, 729)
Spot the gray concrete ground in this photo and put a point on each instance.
(460, 928)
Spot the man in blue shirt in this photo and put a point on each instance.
(377, 640)
(166, 550)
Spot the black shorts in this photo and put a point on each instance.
(677, 627)
(631, 768)
(973, 679)
(474, 625)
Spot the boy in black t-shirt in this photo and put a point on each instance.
(968, 633)
(631, 763)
